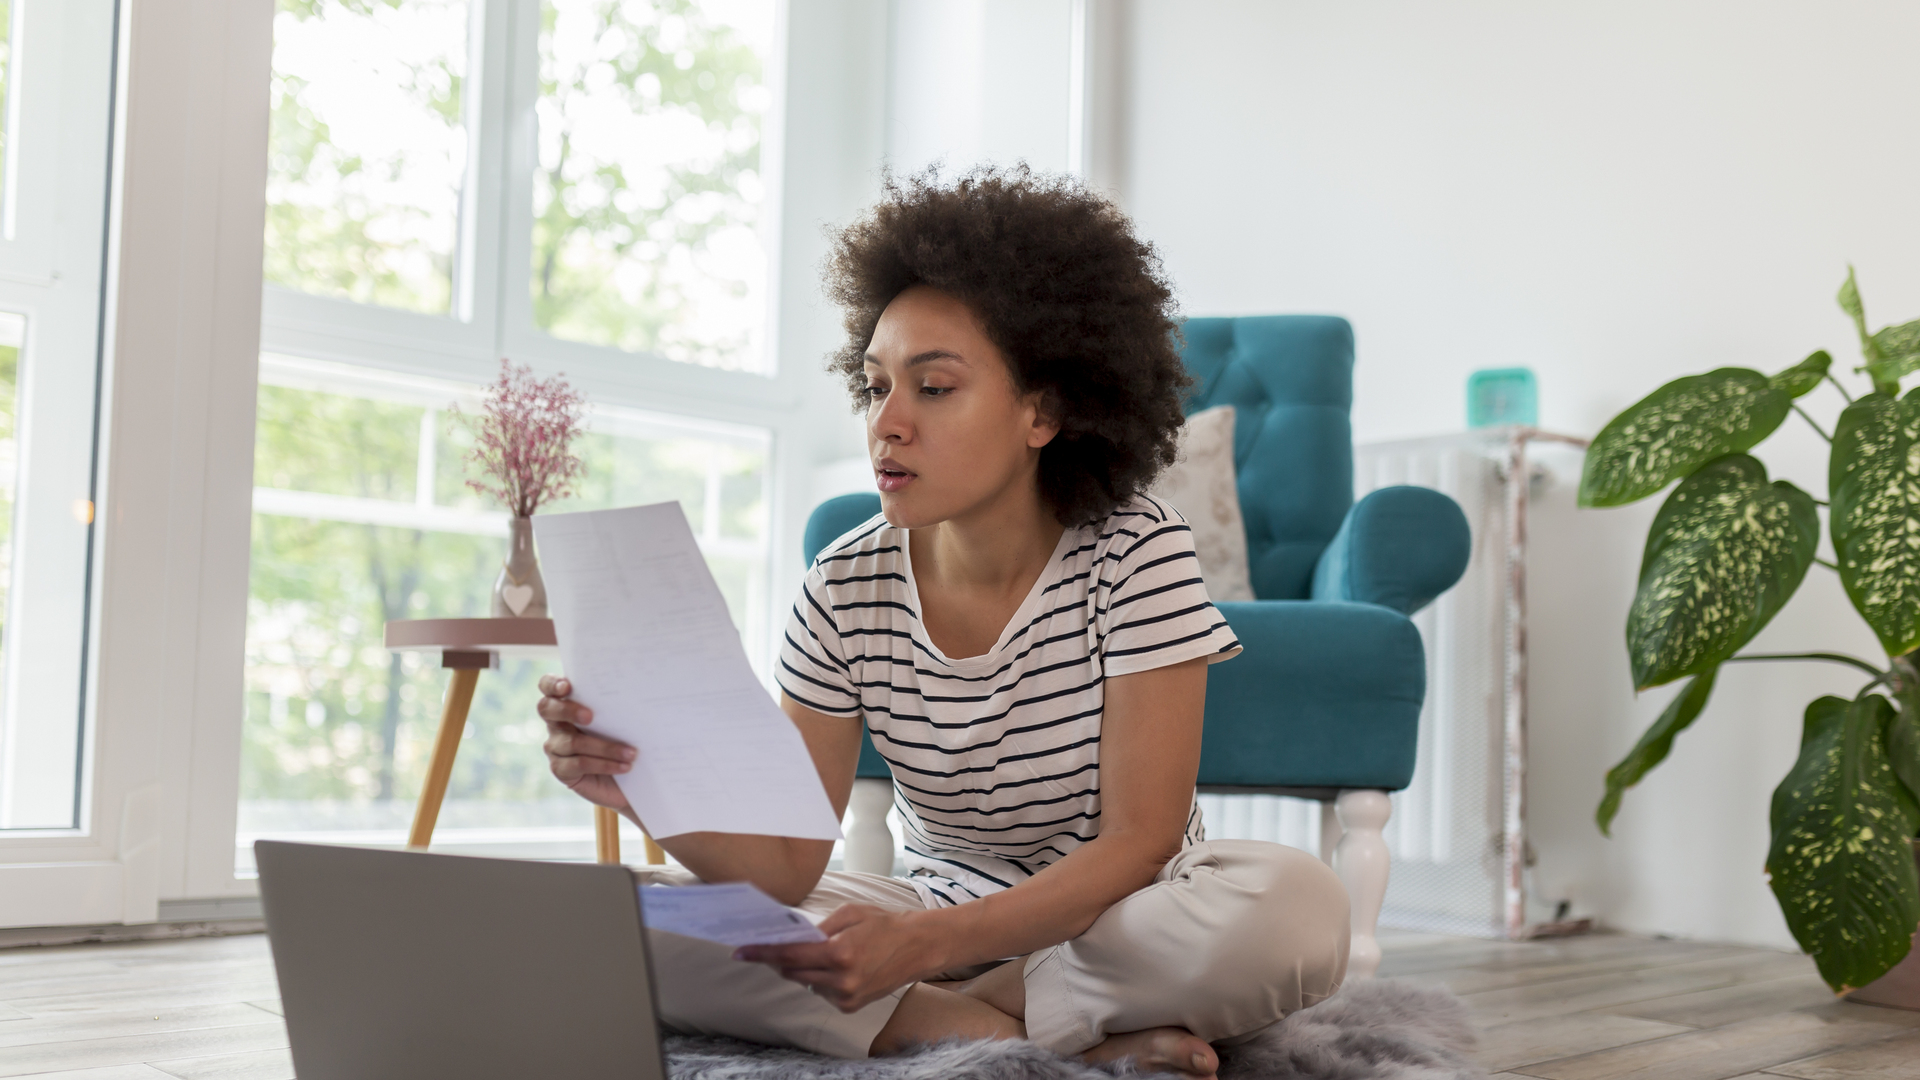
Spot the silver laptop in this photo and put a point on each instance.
(400, 965)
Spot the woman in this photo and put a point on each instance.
(1025, 633)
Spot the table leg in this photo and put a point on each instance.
(606, 835)
(453, 723)
(606, 839)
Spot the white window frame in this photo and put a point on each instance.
(492, 309)
(491, 313)
(175, 349)
(185, 316)
(50, 272)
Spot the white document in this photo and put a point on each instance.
(649, 647)
(735, 914)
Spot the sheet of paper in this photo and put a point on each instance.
(648, 645)
(732, 914)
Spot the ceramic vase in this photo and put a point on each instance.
(519, 592)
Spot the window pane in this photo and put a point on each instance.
(13, 331)
(336, 444)
(56, 79)
(361, 515)
(367, 149)
(6, 69)
(647, 197)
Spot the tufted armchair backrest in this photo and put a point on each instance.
(1290, 381)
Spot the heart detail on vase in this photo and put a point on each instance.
(517, 597)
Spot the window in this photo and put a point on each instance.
(368, 149)
(539, 172)
(7, 96)
(578, 185)
(362, 515)
(647, 195)
(54, 134)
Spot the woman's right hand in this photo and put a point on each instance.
(585, 763)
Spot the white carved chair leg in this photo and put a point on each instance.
(1329, 831)
(1362, 863)
(869, 841)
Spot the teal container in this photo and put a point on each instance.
(1501, 396)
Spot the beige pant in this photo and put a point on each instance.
(1231, 936)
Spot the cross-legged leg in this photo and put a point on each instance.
(1231, 936)
(1162, 1049)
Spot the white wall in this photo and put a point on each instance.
(974, 81)
(967, 82)
(833, 141)
(1614, 195)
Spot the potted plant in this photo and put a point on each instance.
(523, 445)
(1725, 552)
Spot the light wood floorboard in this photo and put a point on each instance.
(67, 1026)
(1732, 1004)
(1729, 1051)
(1603, 1007)
(1609, 1007)
(108, 1073)
(1892, 1059)
(1507, 1046)
(259, 1065)
(139, 1049)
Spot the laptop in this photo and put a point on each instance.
(403, 965)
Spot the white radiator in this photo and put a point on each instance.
(1455, 833)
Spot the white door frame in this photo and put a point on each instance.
(176, 461)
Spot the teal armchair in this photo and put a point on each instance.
(1325, 701)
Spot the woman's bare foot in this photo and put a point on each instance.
(1167, 1049)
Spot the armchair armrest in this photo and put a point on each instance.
(1399, 547)
(1326, 695)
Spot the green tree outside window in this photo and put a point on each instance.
(648, 190)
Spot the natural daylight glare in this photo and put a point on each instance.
(368, 149)
(648, 196)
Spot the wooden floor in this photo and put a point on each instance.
(1593, 1008)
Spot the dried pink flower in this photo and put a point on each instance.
(523, 437)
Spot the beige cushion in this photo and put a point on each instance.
(1201, 486)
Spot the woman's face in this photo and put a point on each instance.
(947, 430)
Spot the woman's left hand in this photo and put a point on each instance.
(869, 953)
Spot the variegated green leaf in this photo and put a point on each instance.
(1874, 481)
(1841, 861)
(1870, 344)
(1803, 376)
(1654, 745)
(1903, 734)
(1678, 428)
(1725, 552)
(1903, 747)
(1850, 303)
(1897, 352)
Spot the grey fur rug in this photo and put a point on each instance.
(1373, 1030)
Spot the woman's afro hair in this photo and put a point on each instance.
(1078, 304)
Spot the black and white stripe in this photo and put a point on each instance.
(996, 758)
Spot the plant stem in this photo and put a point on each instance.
(1904, 680)
(1842, 389)
(1832, 658)
(1810, 422)
(1831, 566)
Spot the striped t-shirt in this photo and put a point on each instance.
(996, 758)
